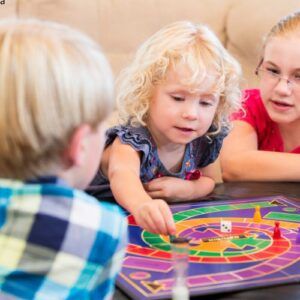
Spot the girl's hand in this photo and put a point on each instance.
(155, 216)
(174, 189)
(168, 188)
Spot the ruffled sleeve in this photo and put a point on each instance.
(206, 150)
(137, 137)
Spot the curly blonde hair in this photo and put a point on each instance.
(193, 45)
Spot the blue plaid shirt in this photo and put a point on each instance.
(58, 243)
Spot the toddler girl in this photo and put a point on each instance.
(173, 106)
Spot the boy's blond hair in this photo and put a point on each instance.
(52, 80)
(195, 46)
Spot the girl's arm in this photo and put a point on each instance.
(242, 161)
(176, 189)
(124, 176)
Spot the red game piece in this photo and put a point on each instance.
(276, 233)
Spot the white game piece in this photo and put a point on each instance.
(225, 226)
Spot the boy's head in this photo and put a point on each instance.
(179, 44)
(55, 87)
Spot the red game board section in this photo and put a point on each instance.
(162, 254)
(195, 259)
(241, 258)
(139, 250)
(281, 243)
(214, 259)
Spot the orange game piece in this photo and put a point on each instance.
(276, 233)
(257, 216)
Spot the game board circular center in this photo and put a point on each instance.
(208, 240)
(245, 241)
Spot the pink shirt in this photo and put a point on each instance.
(268, 134)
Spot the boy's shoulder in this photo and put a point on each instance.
(60, 201)
(56, 214)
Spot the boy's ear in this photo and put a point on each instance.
(75, 153)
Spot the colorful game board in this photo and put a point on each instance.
(245, 258)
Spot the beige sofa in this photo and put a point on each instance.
(121, 25)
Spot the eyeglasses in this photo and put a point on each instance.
(273, 77)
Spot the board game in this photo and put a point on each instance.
(247, 257)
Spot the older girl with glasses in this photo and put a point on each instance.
(264, 144)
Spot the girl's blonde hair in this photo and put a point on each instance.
(285, 26)
(179, 43)
(288, 25)
(52, 80)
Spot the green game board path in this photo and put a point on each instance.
(259, 243)
(205, 210)
(283, 216)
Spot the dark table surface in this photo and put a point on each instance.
(243, 190)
